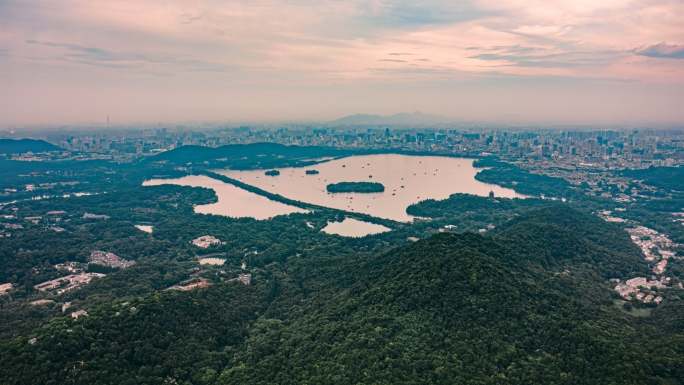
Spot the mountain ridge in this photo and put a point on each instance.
(396, 119)
(22, 146)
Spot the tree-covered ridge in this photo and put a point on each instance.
(21, 146)
(666, 178)
(248, 156)
(523, 182)
(187, 336)
(452, 309)
(459, 204)
(357, 187)
(559, 238)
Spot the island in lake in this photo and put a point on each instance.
(272, 173)
(312, 172)
(357, 187)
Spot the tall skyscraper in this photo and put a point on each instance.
(108, 120)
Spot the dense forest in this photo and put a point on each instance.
(528, 304)
(666, 178)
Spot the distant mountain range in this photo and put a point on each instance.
(21, 146)
(401, 118)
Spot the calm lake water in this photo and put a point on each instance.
(212, 261)
(145, 228)
(354, 228)
(422, 177)
(232, 201)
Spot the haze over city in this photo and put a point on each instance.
(587, 62)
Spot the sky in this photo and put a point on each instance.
(579, 61)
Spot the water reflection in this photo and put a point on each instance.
(407, 180)
(232, 201)
(354, 228)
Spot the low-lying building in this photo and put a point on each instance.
(73, 267)
(206, 241)
(95, 216)
(79, 313)
(68, 282)
(244, 278)
(630, 286)
(5, 287)
(660, 267)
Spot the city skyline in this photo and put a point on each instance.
(68, 62)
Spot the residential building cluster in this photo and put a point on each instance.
(632, 288)
(653, 244)
(655, 247)
(206, 241)
(69, 282)
(109, 259)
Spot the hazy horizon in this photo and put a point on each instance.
(70, 62)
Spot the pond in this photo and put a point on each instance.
(212, 261)
(232, 201)
(407, 180)
(350, 227)
(145, 228)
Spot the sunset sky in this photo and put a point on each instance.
(67, 62)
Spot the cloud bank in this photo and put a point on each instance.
(65, 61)
(662, 50)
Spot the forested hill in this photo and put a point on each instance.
(21, 146)
(530, 304)
(666, 178)
(451, 309)
(560, 238)
(256, 155)
(177, 334)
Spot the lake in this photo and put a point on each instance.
(232, 201)
(422, 177)
(351, 227)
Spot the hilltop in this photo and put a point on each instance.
(247, 156)
(459, 308)
(21, 146)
